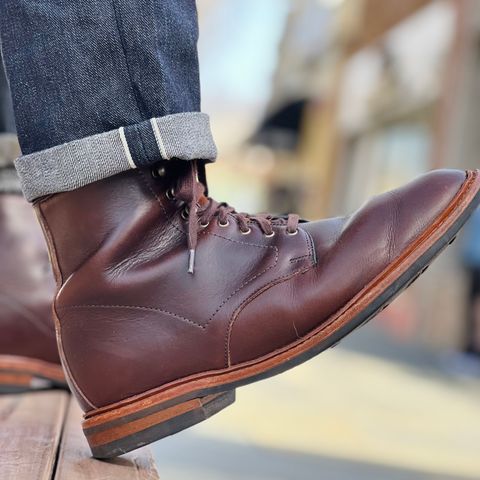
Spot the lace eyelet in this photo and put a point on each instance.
(292, 234)
(204, 225)
(158, 172)
(223, 225)
(270, 235)
(170, 194)
(246, 232)
(184, 214)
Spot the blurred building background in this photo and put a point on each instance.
(317, 105)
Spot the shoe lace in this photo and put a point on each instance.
(201, 209)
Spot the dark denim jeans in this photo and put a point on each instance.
(78, 68)
(106, 85)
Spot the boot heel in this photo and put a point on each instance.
(118, 431)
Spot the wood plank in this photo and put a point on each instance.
(75, 462)
(30, 430)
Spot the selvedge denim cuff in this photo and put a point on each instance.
(184, 136)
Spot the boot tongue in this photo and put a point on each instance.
(202, 201)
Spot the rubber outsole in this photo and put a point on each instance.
(152, 424)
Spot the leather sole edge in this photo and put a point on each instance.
(153, 423)
(22, 374)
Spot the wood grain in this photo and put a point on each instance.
(30, 430)
(75, 462)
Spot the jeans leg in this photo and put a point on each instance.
(116, 79)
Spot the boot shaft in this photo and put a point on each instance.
(26, 284)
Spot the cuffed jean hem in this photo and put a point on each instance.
(183, 136)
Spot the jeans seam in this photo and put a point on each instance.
(124, 50)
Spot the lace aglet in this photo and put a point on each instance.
(191, 260)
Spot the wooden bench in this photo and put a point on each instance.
(41, 439)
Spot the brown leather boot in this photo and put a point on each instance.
(168, 299)
(28, 350)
